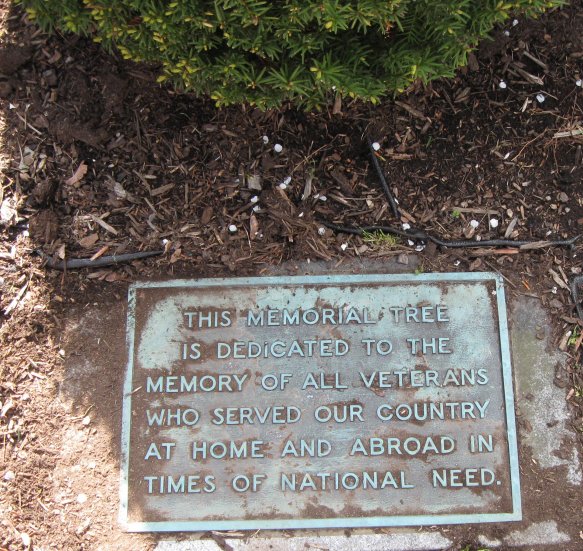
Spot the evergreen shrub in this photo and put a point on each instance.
(265, 52)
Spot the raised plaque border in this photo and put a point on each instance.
(351, 522)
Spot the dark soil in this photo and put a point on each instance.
(99, 160)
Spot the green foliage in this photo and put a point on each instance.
(265, 52)
(379, 239)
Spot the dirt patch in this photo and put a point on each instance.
(99, 160)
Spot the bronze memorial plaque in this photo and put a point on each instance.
(318, 401)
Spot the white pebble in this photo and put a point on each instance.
(474, 223)
(232, 228)
(540, 98)
(376, 146)
(323, 198)
(420, 248)
(301, 215)
(81, 498)
(254, 199)
(478, 238)
(515, 22)
(344, 246)
(9, 475)
(322, 230)
(406, 226)
(86, 420)
(411, 243)
(494, 223)
(256, 208)
(287, 180)
(579, 83)
(265, 140)
(278, 148)
(502, 85)
(506, 33)
(282, 185)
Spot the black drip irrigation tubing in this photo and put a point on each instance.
(575, 284)
(423, 237)
(102, 261)
(419, 235)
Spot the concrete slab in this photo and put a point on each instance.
(534, 362)
(536, 535)
(424, 541)
(548, 450)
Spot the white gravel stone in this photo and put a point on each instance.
(502, 85)
(494, 223)
(474, 223)
(232, 228)
(376, 146)
(278, 148)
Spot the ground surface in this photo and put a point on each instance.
(98, 160)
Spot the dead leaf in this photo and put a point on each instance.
(61, 252)
(78, 176)
(88, 241)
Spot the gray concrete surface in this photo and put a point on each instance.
(544, 414)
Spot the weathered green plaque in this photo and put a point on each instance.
(321, 401)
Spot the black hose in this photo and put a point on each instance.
(420, 235)
(383, 181)
(77, 263)
(575, 284)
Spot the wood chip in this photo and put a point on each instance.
(415, 112)
(207, 214)
(161, 190)
(99, 253)
(510, 228)
(558, 280)
(88, 241)
(16, 299)
(103, 224)
(476, 210)
(533, 79)
(253, 227)
(78, 175)
(577, 131)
